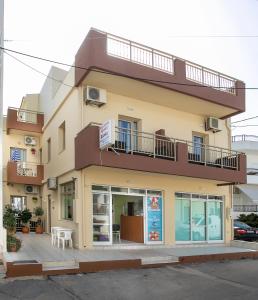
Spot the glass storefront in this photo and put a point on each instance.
(104, 212)
(198, 218)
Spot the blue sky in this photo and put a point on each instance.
(55, 29)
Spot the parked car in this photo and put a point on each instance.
(242, 231)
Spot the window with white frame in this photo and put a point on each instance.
(67, 198)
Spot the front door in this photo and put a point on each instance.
(198, 148)
(198, 220)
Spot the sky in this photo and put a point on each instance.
(219, 34)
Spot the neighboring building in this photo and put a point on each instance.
(166, 177)
(245, 196)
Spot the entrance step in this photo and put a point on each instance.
(59, 265)
(159, 260)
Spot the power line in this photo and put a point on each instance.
(244, 120)
(249, 125)
(118, 74)
(36, 70)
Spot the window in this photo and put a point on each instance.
(17, 154)
(18, 202)
(48, 150)
(67, 197)
(61, 137)
(128, 135)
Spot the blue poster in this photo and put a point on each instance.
(154, 211)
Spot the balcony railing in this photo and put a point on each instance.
(137, 53)
(143, 143)
(245, 208)
(26, 169)
(160, 146)
(27, 116)
(212, 156)
(33, 224)
(244, 138)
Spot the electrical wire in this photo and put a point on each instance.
(36, 70)
(118, 74)
(244, 120)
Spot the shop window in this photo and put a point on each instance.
(119, 190)
(61, 137)
(153, 192)
(67, 198)
(100, 188)
(137, 191)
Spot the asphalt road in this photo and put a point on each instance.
(216, 280)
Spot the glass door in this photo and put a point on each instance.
(101, 219)
(198, 220)
(198, 148)
(127, 135)
(215, 217)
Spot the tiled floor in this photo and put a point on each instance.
(38, 247)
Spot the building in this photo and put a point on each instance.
(245, 196)
(133, 147)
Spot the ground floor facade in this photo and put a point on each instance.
(107, 206)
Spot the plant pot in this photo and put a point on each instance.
(25, 229)
(39, 229)
(12, 248)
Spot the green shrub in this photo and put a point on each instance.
(13, 241)
(250, 219)
(9, 220)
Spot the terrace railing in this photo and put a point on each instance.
(26, 169)
(27, 116)
(138, 53)
(245, 208)
(244, 138)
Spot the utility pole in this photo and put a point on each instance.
(2, 242)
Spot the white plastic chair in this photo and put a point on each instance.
(54, 234)
(64, 235)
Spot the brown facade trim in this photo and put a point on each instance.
(92, 55)
(87, 154)
(13, 123)
(13, 177)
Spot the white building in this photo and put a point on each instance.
(245, 196)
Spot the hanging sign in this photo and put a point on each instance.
(154, 211)
(107, 134)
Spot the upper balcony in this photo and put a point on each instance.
(25, 120)
(24, 173)
(157, 153)
(199, 89)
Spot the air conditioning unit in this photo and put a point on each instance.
(30, 140)
(213, 124)
(95, 96)
(52, 183)
(31, 189)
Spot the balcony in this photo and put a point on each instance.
(157, 153)
(224, 95)
(24, 173)
(25, 120)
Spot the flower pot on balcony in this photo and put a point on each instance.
(39, 229)
(25, 229)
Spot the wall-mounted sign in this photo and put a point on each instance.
(107, 134)
(154, 215)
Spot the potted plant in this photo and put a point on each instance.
(13, 243)
(25, 218)
(9, 220)
(39, 212)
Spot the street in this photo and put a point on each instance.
(214, 280)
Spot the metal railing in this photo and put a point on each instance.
(244, 137)
(27, 116)
(26, 169)
(143, 143)
(245, 208)
(212, 156)
(140, 54)
(33, 224)
(208, 77)
(147, 56)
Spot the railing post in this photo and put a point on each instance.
(219, 80)
(205, 155)
(221, 155)
(152, 58)
(130, 46)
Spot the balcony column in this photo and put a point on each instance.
(182, 153)
(179, 68)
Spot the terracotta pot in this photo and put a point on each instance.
(13, 248)
(39, 229)
(25, 229)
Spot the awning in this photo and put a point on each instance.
(250, 190)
